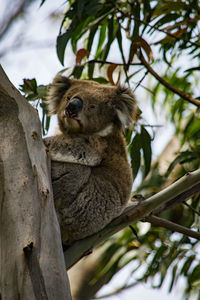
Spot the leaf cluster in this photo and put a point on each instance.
(155, 255)
(36, 95)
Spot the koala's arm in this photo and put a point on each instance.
(74, 150)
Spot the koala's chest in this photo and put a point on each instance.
(68, 179)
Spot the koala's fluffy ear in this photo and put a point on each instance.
(56, 92)
(125, 106)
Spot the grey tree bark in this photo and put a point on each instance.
(32, 264)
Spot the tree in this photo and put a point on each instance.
(173, 88)
(30, 266)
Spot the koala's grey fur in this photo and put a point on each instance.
(89, 158)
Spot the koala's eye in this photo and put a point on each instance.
(74, 107)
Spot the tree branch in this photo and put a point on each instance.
(132, 214)
(98, 61)
(160, 222)
(192, 208)
(179, 198)
(168, 85)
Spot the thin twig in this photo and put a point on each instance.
(139, 83)
(168, 85)
(147, 89)
(192, 208)
(111, 62)
(152, 126)
(159, 222)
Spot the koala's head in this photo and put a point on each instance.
(88, 107)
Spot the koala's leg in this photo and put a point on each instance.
(73, 150)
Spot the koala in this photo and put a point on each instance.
(91, 175)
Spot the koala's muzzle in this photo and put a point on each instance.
(74, 107)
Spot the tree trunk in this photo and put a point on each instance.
(31, 258)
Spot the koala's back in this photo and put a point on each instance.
(88, 198)
(68, 179)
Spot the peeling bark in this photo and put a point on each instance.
(32, 264)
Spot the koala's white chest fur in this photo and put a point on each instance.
(85, 160)
(106, 131)
(91, 175)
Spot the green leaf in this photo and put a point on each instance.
(146, 147)
(169, 7)
(166, 19)
(107, 261)
(134, 149)
(193, 130)
(30, 85)
(147, 11)
(119, 40)
(113, 27)
(136, 23)
(47, 124)
(195, 275)
(77, 72)
(101, 80)
(93, 31)
(61, 44)
(91, 70)
(80, 8)
(173, 277)
(102, 37)
(79, 31)
(128, 135)
(101, 17)
(93, 7)
(184, 157)
(159, 254)
(29, 88)
(193, 69)
(43, 123)
(187, 265)
(42, 2)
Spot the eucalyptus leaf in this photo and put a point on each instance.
(146, 148)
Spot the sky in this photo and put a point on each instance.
(33, 55)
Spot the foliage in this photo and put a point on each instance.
(145, 36)
(36, 93)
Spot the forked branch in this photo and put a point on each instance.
(160, 222)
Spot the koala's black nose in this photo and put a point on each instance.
(74, 107)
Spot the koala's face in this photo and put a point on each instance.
(88, 107)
